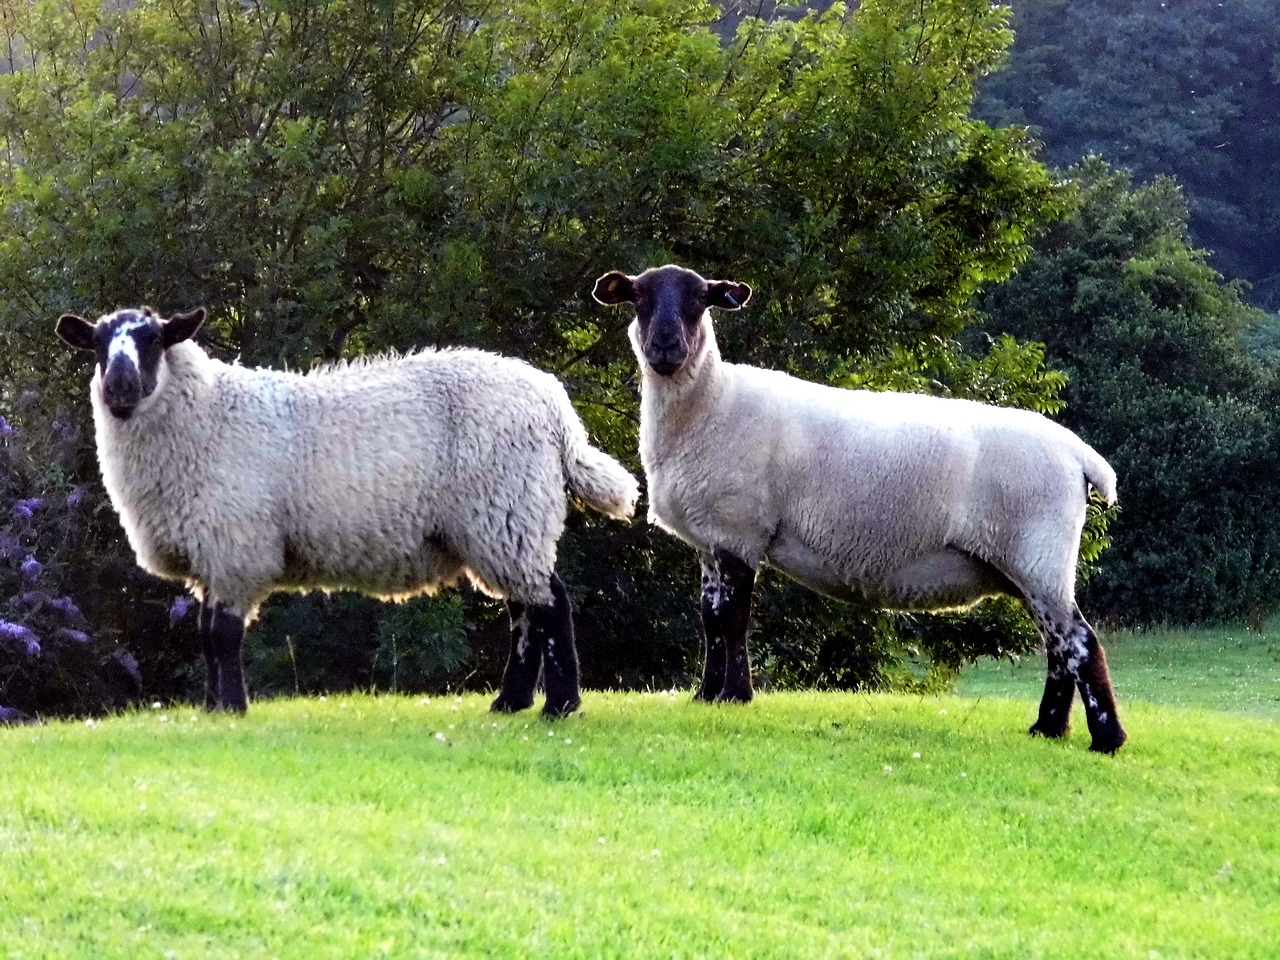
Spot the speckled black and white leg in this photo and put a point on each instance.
(227, 637)
(210, 655)
(712, 634)
(520, 678)
(1076, 660)
(1054, 719)
(727, 584)
(553, 624)
(541, 640)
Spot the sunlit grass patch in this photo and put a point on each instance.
(802, 825)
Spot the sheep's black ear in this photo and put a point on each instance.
(182, 326)
(727, 295)
(614, 288)
(75, 331)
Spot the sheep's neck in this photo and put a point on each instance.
(673, 407)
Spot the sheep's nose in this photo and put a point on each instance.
(121, 387)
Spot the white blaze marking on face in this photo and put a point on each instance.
(123, 344)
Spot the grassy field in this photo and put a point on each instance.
(804, 825)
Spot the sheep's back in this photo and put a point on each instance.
(862, 479)
(395, 457)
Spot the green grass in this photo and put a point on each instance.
(804, 825)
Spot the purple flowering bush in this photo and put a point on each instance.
(70, 595)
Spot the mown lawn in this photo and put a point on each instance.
(804, 825)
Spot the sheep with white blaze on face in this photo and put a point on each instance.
(392, 476)
(910, 501)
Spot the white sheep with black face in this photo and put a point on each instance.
(392, 476)
(913, 502)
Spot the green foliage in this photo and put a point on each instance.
(357, 175)
(806, 825)
(1162, 88)
(1162, 386)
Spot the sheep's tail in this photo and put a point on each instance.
(1098, 472)
(597, 479)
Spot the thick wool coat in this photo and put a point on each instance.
(393, 476)
(910, 501)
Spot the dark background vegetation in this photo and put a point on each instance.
(342, 177)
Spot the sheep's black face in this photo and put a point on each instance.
(129, 346)
(670, 304)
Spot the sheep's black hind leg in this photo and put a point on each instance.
(712, 634)
(1094, 682)
(541, 638)
(727, 594)
(521, 675)
(210, 656)
(554, 626)
(227, 635)
(1054, 719)
(1076, 659)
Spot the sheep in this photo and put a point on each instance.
(392, 476)
(910, 501)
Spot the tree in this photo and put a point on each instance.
(1162, 87)
(1160, 383)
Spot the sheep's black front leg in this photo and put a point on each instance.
(713, 663)
(210, 656)
(726, 617)
(553, 624)
(521, 675)
(227, 635)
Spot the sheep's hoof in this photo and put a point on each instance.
(1109, 742)
(555, 711)
(503, 704)
(1052, 733)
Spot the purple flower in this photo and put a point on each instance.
(67, 606)
(32, 598)
(10, 545)
(78, 636)
(23, 510)
(77, 494)
(181, 607)
(14, 631)
(130, 664)
(31, 569)
(33, 647)
(6, 428)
